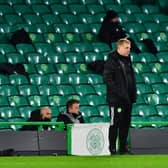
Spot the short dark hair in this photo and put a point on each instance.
(71, 102)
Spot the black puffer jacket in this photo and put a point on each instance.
(116, 79)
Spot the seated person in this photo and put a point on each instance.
(72, 114)
(39, 115)
(111, 31)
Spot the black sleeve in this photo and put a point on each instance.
(64, 118)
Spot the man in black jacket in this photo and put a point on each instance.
(39, 115)
(72, 114)
(121, 93)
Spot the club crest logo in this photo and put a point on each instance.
(95, 141)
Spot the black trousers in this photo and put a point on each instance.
(120, 123)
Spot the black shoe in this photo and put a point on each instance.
(113, 152)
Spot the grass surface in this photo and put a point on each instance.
(118, 161)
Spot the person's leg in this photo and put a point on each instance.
(113, 129)
(125, 118)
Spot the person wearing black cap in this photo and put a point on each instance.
(111, 31)
(39, 115)
(121, 94)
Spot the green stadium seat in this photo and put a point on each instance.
(81, 28)
(100, 47)
(3, 101)
(135, 57)
(40, 28)
(17, 101)
(92, 56)
(43, 48)
(32, 19)
(77, 9)
(89, 111)
(12, 2)
(115, 7)
(26, 111)
(36, 79)
(81, 68)
(147, 57)
(57, 101)
(25, 48)
(55, 112)
(53, 38)
(159, 67)
(144, 89)
(145, 110)
(88, 18)
(17, 79)
(5, 28)
(151, 78)
(71, 37)
(140, 100)
(82, 47)
(47, 90)
(8, 90)
(63, 28)
(84, 90)
(4, 38)
(161, 46)
(134, 27)
(22, 9)
(89, 37)
(150, 9)
(126, 18)
(31, 2)
(15, 58)
(9, 112)
(69, 18)
(13, 19)
(160, 88)
(5, 9)
(35, 58)
(152, 27)
(28, 90)
(162, 110)
(65, 90)
(95, 8)
(141, 68)
(100, 89)
(139, 78)
(40, 9)
(159, 18)
(164, 77)
(161, 37)
(130, 9)
(54, 57)
(85, 2)
(6, 48)
(77, 79)
(51, 19)
(137, 119)
(4, 80)
(95, 100)
(30, 68)
(58, 9)
(143, 18)
(37, 100)
(155, 99)
(36, 37)
(164, 27)
(57, 79)
(95, 79)
(65, 68)
(162, 56)
(104, 111)
(44, 69)
(73, 57)
(97, 119)
(63, 47)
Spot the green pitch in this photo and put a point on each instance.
(125, 161)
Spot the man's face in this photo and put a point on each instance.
(114, 20)
(124, 49)
(46, 113)
(74, 108)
